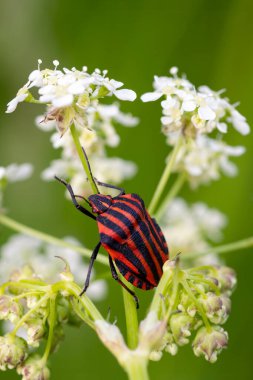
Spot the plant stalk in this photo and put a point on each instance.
(171, 195)
(230, 247)
(131, 318)
(137, 369)
(10, 223)
(83, 159)
(165, 177)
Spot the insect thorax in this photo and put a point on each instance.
(100, 203)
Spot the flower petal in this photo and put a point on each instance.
(189, 105)
(242, 127)
(12, 105)
(222, 127)
(63, 101)
(125, 94)
(151, 96)
(206, 113)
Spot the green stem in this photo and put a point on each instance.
(164, 282)
(237, 245)
(211, 284)
(8, 222)
(23, 285)
(83, 159)
(75, 290)
(27, 315)
(197, 303)
(51, 322)
(131, 318)
(137, 369)
(24, 295)
(171, 195)
(174, 294)
(165, 177)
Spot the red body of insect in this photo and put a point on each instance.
(133, 240)
(131, 237)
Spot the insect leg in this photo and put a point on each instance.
(121, 190)
(92, 259)
(116, 277)
(73, 197)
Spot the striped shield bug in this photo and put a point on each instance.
(134, 241)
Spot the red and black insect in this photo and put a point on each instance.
(133, 240)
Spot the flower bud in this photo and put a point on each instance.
(169, 265)
(155, 356)
(66, 274)
(9, 309)
(217, 307)
(180, 325)
(35, 331)
(227, 278)
(186, 304)
(24, 273)
(13, 351)
(33, 369)
(210, 343)
(170, 345)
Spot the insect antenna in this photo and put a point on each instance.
(88, 163)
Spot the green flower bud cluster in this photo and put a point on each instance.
(196, 302)
(38, 311)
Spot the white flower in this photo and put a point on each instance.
(189, 228)
(205, 159)
(192, 110)
(69, 89)
(12, 105)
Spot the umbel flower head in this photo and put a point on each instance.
(192, 302)
(68, 93)
(192, 110)
(103, 122)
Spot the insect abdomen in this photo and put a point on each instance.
(133, 241)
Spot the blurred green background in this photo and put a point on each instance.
(211, 41)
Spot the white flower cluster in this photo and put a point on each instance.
(186, 107)
(21, 251)
(192, 228)
(72, 96)
(199, 306)
(102, 121)
(69, 93)
(113, 170)
(204, 159)
(194, 113)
